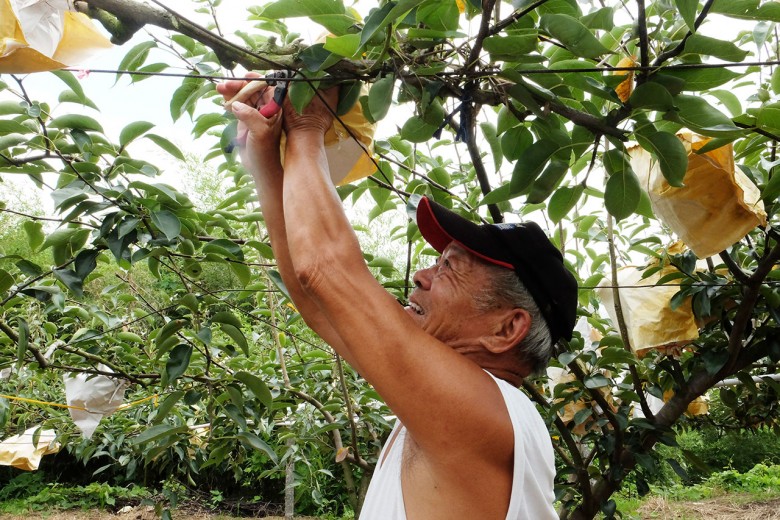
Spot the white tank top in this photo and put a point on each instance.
(532, 480)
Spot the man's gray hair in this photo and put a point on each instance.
(537, 347)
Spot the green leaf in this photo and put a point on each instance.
(12, 107)
(573, 35)
(227, 317)
(256, 386)
(416, 130)
(596, 381)
(6, 281)
(316, 58)
(775, 81)
(331, 14)
(12, 127)
(253, 441)
(702, 79)
(166, 145)
(63, 236)
(178, 361)
(698, 115)
(729, 100)
(670, 153)
(158, 432)
(132, 131)
(68, 96)
(167, 405)
(347, 45)
(726, 51)
(237, 336)
(136, 57)
(73, 83)
(651, 96)
(747, 9)
(22, 342)
(600, 19)
(615, 161)
(387, 15)
(714, 360)
(515, 141)
(380, 97)
(489, 131)
(276, 278)
(687, 9)
(512, 47)
(771, 190)
(439, 16)
(301, 93)
(241, 196)
(242, 272)
(35, 235)
(348, 96)
(10, 140)
(531, 163)
(543, 187)
(224, 247)
(79, 122)
(768, 117)
(86, 262)
(205, 122)
(622, 194)
(167, 222)
(500, 194)
(185, 97)
(168, 330)
(563, 201)
(71, 281)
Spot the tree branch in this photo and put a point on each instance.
(677, 50)
(644, 58)
(648, 413)
(734, 269)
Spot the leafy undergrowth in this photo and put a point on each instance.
(28, 496)
(727, 495)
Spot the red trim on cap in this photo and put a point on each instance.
(485, 258)
(432, 232)
(430, 228)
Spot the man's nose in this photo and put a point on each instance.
(422, 278)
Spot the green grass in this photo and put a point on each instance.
(759, 484)
(29, 492)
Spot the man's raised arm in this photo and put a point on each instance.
(260, 153)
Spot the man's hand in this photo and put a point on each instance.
(316, 117)
(256, 133)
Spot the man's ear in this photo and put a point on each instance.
(512, 327)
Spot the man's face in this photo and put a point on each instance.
(443, 302)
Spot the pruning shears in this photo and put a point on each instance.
(279, 79)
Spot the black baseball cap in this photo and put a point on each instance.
(524, 248)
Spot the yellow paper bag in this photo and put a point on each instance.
(558, 376)
(650, 321)
(41, 35)
(717, 206)
(349, 159)
(20, 452)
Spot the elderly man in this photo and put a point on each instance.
(468, 444)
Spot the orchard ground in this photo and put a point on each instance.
(727, 507)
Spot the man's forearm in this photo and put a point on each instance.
(269, 183)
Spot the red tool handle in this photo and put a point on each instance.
(270, 109)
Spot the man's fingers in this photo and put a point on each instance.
(252, 121)
(246, 92)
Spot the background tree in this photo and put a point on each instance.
(515, 109)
